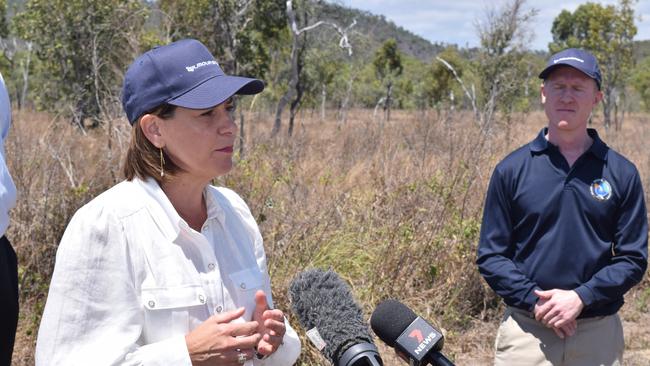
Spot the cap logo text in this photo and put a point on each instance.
(568, 58)
(200, 64)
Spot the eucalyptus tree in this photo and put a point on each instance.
(607, 31)
(438, 82)
(641, 82)
(388, 66)
(82, 47)
(240, 33)
(503, 34)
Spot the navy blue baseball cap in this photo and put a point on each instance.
(183, 73)
(576, 58)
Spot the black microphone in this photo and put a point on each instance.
(325, 307)
(399, 327)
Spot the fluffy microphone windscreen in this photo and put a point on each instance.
(320, 299)
(389, 320)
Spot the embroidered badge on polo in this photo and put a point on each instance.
(601, 189)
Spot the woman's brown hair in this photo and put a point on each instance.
(143, 158)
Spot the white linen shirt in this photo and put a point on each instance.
(131, 279)
(7, 187)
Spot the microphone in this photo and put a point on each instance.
(325, 307)
(399, 327)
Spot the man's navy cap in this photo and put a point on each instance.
(576, 58)
(183, 73)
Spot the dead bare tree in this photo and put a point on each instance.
(343, 111)
(234, 29)
(503, 35)
(296, 45)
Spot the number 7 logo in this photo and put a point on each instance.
(417, 334)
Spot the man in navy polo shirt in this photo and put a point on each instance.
(565, 232)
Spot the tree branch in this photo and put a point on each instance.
(471, 98)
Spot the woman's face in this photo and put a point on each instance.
(200, 141)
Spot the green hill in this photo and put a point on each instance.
(372, 30)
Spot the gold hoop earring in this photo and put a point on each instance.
(162, 163)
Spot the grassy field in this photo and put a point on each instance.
(394, 208)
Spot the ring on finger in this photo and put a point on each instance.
(241, 358)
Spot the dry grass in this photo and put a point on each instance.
(394, 210)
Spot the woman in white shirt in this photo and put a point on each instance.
(164, 268)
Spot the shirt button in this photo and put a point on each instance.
(243, 286)
(218, 309)
(201, 299)
(152, 304)
(211, 266)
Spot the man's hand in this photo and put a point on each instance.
(271, 325)
(566, 331)
(558, 309)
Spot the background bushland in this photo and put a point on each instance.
(368, 153)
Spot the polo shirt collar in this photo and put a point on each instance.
(598, 148)
(540, 143)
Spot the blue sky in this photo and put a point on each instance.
(453, 21)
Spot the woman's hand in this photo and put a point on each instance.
(270, 325)
(217, 341)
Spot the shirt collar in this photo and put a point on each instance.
(598, 148)
(215, 211)
(540, 143)
(166, 215)
(161, 208)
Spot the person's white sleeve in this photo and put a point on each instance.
(93, 314)
(5, 109)
(7, 193)
(7, 186)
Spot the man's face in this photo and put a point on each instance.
(569, 97)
